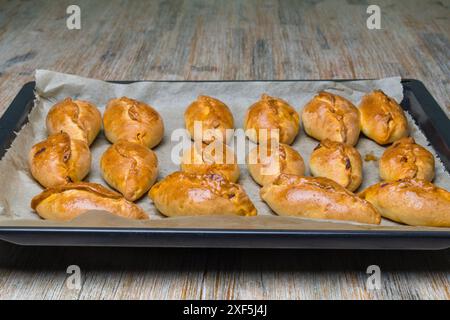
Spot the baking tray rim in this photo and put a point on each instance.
(351, 235)
(225, 238)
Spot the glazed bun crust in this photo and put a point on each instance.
(130, 168)
(215, 157)
(329, 116)
(382, 118)
(81, 120)
(406, 159)
(59, 159)
(272, 113)
(411, 201)
(213, 114)
(65, 202)
(132, 120)
(182, 194)
(264, 165)
(337, 161)
(317, 198)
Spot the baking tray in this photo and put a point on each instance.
(417, 100)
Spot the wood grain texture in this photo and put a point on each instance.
(257, 39)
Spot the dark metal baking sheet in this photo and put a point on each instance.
(417, 100)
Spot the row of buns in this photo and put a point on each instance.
(205, 187)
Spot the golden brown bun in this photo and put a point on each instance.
(406, 159)
(79, 119)
(411, 201)
(132, 120)
(272, 113)
(183, 194)
(130, 168)
(329, 116)
(203, 159)
(59, 159)
(316, 198)
(264, 166)
(382, 118)
(337, 161)
(68, 201)
(213, 114)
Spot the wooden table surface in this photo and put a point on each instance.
(314, 39)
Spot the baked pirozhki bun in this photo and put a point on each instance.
(382, 118)
(316, 198)
(406, 159)
(411, 201)
(130, 168)
(183, 194)
(79, 119)
(215, 117)
(265, 164)
(337, 161)
(132, 120)
(59, 159)
(271, 113)
(329, 116)
(70, 200)
(215, 157)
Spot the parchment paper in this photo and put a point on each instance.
(171, 99)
